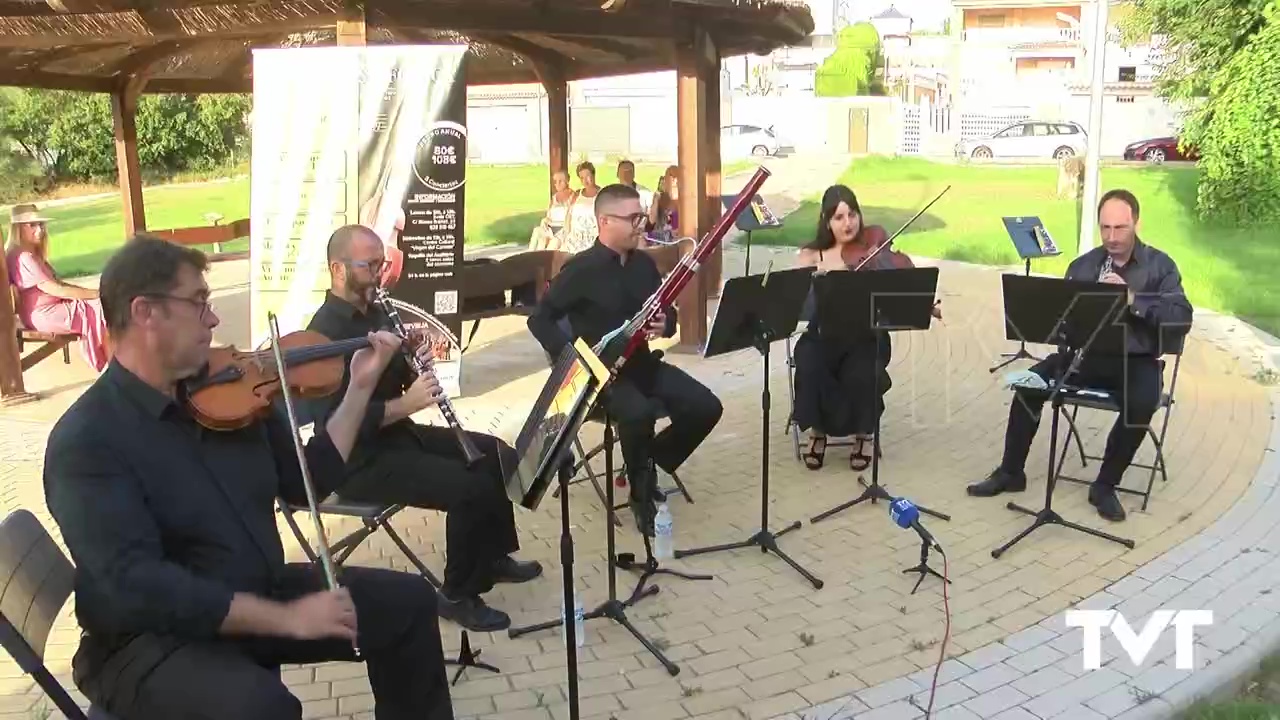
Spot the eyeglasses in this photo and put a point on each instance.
(373, 266)
(636, 219)
(201, 304)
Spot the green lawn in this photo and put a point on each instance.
(1257, 699)
(1223, 268)
(503, 205)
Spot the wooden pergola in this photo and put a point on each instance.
(128, 47)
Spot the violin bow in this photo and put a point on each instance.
(326, 555)
(889, 241)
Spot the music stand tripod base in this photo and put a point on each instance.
(650, 567)
(468, 658)
(755, 311)
(613, 609)
(923, 568)
(1049, 516)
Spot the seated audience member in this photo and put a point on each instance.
(663, 224)
(187, 606)
(557, 223)
(627, 176)
(1157, 309)
(46, 303)
(396, 461)
(582, 231)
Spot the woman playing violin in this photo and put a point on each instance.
(835, 394)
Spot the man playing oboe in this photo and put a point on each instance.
(1157, 307)
(399, 462)
(599, 290)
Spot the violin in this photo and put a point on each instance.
(238, 387)
(874, 241)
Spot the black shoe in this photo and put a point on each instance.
(472, 614)
(1105, 499)
(997, 482)
(644, 511)
(510, 570)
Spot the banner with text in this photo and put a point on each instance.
(368, 135)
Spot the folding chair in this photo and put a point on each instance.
(374, 517)
(37, 579)
(1107, 401)
(792, 427)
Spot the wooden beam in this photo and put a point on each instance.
(353, 26)
(713, 208)
(12, 391)
(124, 108)
(54, 81)
(557, 88)
(691, 114)
(478, 17)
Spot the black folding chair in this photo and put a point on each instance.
(792, 427)
(37, 579)
(374, 517)
(1107, 401)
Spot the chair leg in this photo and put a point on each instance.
(585, 464)
(1073, 431)
(683, 490)
(408, 553)
(302, 539)
(1062, 457)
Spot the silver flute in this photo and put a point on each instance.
(471, 454)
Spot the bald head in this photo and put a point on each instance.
(356, 260)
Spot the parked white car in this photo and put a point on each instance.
(740, 141)
(1056, 140)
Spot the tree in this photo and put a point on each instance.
(1219, 59)
(851, 69)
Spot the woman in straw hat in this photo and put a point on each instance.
(45, 303)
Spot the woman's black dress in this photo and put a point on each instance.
(836, 378)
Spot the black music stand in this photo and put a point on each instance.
(757, 217)
(754, 311)
(1031, 240)
(613, 608)
(852, 305)
(1078, 315)
(467, 657)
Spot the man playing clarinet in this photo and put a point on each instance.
(399, 462)
(188, 607)
(1157, 308)
(598, 291)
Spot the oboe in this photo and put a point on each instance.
(470, 454)
(1106, 268)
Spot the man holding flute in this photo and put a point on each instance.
(187, 605)
(399, 462)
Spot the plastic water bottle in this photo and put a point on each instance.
(662, 523)
(579, 621)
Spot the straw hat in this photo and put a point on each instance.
(26, 213)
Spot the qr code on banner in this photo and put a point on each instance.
(446, 302)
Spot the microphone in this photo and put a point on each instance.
(903, 512)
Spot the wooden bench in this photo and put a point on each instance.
(214, 234)
(50, 342)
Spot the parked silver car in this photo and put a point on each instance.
(1034, 139)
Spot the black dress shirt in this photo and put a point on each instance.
(598, 293)
(1160, 314)
(164, 519)
(338, 319)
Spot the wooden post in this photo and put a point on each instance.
(124, 107)
(711, 145)
(557, 88)
(691, 118)
(352, 29)
(12, 391)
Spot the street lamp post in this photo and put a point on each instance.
(1093, 151)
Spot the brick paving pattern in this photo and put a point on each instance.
(759, 642)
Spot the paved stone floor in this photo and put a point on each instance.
(757, 641)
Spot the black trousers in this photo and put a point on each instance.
(839, 385)
(1134, 378)
(421, 466)
(238, 678)
(693, 409)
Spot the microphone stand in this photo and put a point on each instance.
(923, 568)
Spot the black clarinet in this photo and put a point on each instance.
(470, 454)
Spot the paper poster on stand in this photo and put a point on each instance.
(368, 135)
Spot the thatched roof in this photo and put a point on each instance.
(205, 45)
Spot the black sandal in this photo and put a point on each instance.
(860, 460)
(817, 453)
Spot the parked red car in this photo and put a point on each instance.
(1157, 150)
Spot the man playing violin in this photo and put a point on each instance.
(187, 605)
(598, 291)
(839, 389)
(1158, 311)
(399, 462)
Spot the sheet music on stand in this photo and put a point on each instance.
(1030, 238)
(761, 217)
